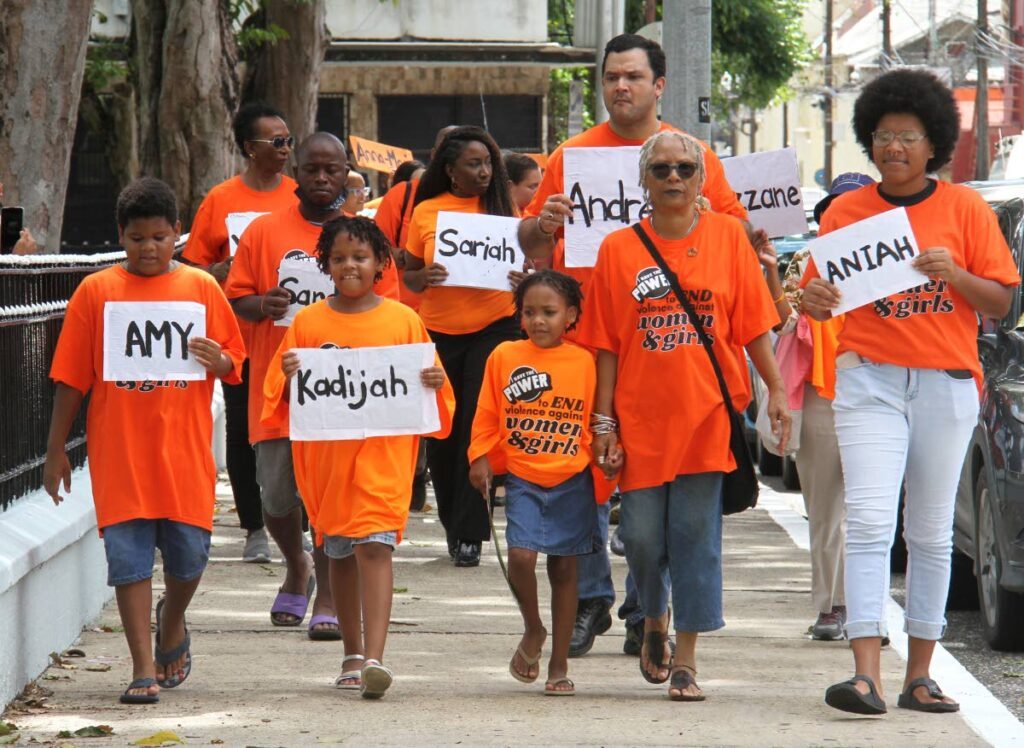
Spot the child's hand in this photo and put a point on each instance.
(481, 477)
(56, 470)
(275, 302)
(436, 274)
(432, 377)
(614, 461)
(289, 363)
(208, 353)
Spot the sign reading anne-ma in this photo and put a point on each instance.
(377, 156)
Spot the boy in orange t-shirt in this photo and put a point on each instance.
(160, 431)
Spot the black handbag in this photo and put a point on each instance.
(740, 487)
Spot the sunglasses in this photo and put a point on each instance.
(685, 170)
(278, 143)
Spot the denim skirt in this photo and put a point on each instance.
(559, 521)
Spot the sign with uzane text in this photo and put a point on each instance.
(148, 340)
(767, 184)
(478, 251)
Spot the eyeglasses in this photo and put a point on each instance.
(909, 138)
(685, 170)
(358, 191)
(278, 143)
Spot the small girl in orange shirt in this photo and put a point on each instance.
(533, 422)
(356, 492)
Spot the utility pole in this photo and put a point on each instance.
(686, 33)
(981, 163)
(826, 101)
(887, 29)
(933, 35)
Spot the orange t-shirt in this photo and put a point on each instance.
(930, 326)
(148, 442)
(672, 420)
(395, 224)
(359, 487)
(448, 309)
(716, 186)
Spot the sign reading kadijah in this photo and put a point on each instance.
(356, 393)
(869, 260)
(377, 156)
(767, 185)
(148, 340)
(603, 184)
(301, 276)
(478, 251)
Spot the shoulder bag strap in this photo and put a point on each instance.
(673, 281)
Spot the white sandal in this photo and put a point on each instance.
(350, 680)
(376, 679)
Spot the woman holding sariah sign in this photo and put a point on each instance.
(906, 378)
(650, 357)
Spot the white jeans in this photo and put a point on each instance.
(891, 420)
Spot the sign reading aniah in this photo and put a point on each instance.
(478, 251)
(868, 260)
(767, 185)
(148, 340)
(377, 156)
(237, 223)
(304, 281)
(604, 186)
(355, 393)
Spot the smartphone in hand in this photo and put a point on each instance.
(12, 221)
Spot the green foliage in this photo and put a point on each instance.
(252, 32)
(560, 20)
(104, 64)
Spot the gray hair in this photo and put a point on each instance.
(691, 146)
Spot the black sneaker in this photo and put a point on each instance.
(468, 553)
(592, 618)
(634, 638)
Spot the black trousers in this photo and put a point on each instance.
(241, 457)
(462, 510)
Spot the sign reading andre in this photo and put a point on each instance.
(149, 340)
(768, 186)
(603, 184)
(377, 156)
(478, 251)
(355, 393)
(869, 260)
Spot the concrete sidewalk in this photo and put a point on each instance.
(452, 635)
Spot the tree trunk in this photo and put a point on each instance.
(42, 60)
(287, 74)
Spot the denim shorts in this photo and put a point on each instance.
(558, 521)
(339, 546)
(275, 473)
(131, 550)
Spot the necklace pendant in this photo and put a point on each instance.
(691, 252)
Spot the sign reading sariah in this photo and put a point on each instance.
(356, 393)
(237, 223)
(767, 185)
(869, 260)
(604, 186)
(478, 251)
(301, 276)
(377, 156)
(148, 340)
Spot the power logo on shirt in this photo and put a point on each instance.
(651, 283)
(928, 298)
(526, 384)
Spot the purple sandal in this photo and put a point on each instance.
(292, 604)
(323, 635)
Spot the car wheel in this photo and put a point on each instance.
(963, 590)
(768, 463)
(1001, 611)
(790, 477)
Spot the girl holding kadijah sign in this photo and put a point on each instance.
(906, 396)
(356, 492)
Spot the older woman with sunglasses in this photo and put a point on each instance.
(907, 376)
(658, 398)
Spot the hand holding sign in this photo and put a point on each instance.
(275, 303)
(210, 355)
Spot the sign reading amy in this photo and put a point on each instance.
(355, 393)
(237, 223)
(301, 276)
(603, 184)
(768, 186)
(477, 251)
(148, 340)
(869, 260)
(377, 156)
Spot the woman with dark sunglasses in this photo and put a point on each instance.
(659, 401)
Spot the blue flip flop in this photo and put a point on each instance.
(140, 698)
(167, 658)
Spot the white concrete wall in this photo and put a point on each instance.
(53, 576)
(451, 20)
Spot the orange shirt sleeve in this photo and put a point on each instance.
(388, 285)
(73, 357)
(203, 248)
(986, 252)
(243, 277)
(420, 227)
(717, 189)
(552, 183)
(222, 326)
(597, 329)
(486, 433)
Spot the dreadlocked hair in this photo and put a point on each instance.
(361, 229)
(564, 285)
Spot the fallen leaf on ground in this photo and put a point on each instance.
(89, 731)
(1009, 674)
(97, 667)
(400, 590)
(216, 741)
(164, 737)
(6, 728)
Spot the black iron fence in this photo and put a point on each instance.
(34, 292)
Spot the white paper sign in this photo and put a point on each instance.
(148, 340)
(477, 251)
(355, 393)
(305, 281)
(869, 260)
(768, 186)
(604, 186)
(237, 223)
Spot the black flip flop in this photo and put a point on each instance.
(681, 679)
(654, 640)
(907, 700)
(845, 697)
(166, 658)
(140, 698)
